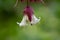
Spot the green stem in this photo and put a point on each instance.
(27, 3)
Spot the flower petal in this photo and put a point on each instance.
(23, 22)
(34, 20)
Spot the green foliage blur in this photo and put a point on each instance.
(47, 29)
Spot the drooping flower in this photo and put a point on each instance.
(28, 16)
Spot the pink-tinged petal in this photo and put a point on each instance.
(29, 12)
(35, 20)
(23, 22)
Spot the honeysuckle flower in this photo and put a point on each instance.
(28, 16)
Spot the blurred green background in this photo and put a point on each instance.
(47, 29)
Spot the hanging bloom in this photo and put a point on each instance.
(28, 16)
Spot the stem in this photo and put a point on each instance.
(43, 2)
(27, 3)
(16, 4)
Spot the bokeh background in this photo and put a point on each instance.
(47, 29)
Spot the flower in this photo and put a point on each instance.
(28, 16)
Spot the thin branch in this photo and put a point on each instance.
(43, 3)
(16, 3)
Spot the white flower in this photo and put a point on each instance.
(25, 19)
(23, 22)
(34, 19)
(28, 16)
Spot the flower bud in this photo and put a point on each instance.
(29, 12)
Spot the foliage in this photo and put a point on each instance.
(47, 29)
